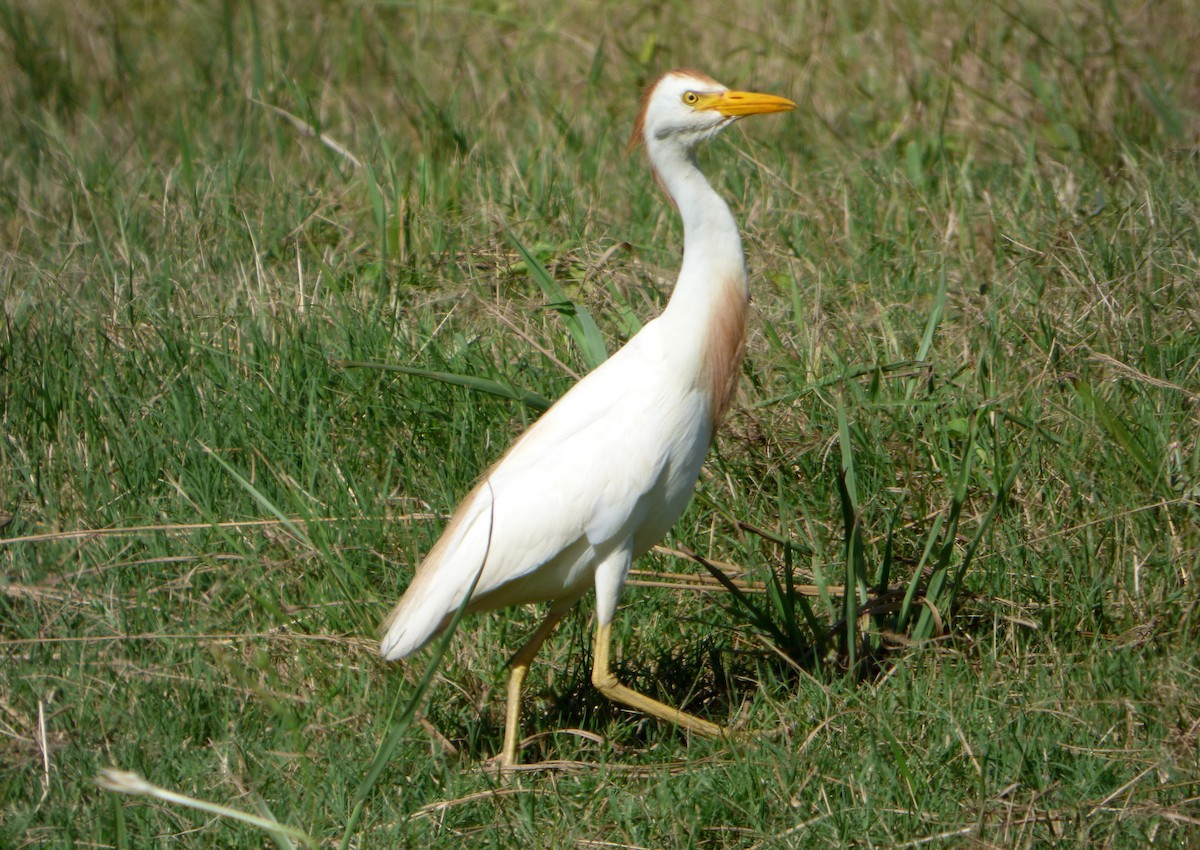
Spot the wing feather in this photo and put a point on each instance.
(581, 477)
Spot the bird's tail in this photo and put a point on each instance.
(448, 575)
(405, 630)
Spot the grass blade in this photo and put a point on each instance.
(127, 782)
(268, 505)
(759, 618)
(935, 319)
(387, 748)
(575, 316)
(1116, 428)
(855, 581)
(472, 382)
(933, 592)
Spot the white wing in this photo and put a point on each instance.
(613, 463)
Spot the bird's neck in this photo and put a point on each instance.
(712, 246)
(706, 316)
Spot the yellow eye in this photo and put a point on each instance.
(691, 98)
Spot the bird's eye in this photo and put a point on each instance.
(691, 98)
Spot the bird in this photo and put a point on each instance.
(605, 472)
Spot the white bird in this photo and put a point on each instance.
(604, 473)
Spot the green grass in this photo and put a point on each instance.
(973, 377)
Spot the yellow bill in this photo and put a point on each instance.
(735, 104)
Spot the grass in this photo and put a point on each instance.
(973, 379)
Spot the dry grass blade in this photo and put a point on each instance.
(309, 130)
(128, 782)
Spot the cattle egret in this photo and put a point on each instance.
(604, 473)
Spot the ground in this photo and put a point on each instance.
(280, 280)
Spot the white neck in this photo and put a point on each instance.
(712, 246)
(705, 318)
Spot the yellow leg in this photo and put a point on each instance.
(520, 666)
(606, 682)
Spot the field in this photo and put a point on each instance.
(280, 280)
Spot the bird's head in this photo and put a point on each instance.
(687, 107)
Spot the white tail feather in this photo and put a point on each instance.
(450, 571)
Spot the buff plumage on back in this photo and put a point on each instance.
(724, 346)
